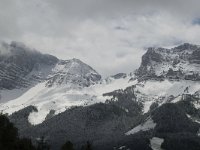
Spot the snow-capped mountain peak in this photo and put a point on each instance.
(181, 62)
(73, 72)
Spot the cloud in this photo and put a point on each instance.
(4, 48)
(109, 35)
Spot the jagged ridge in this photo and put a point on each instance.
(182, 62)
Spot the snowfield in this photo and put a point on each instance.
(156, 143)
(148, 125)
(61, 97)
(159, 91)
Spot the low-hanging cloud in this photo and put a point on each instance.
(109, 35)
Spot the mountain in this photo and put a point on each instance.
(28, 77)
(23, 67)
(182, 62)
(73, 72)
(155, 107)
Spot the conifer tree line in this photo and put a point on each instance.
(9, 139)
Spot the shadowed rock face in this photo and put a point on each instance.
(195, 57)
(18, 63)
(119, 75)
(147, 59)
(186, 46)
(151, 55)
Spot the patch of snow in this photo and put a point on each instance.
(196, 105)
(122, 147)
(156, 143)
(147, 105)
(166, 87)
(148, 125)
(177, 99)
(198, 133)
(37, 117)
(160, 91)
(193, 119)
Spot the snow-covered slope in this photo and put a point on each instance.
(28, 77)
(148, 125)
(60, 84)
(61, 97)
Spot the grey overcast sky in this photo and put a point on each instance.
(109, 35)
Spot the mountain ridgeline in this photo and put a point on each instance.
(18, 64)
(181, 62)
(156, 107)
(21, 66)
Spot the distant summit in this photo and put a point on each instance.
(181, 62)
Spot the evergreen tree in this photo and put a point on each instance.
(42, 144)
(88, 146)
(8, 134)
(24, 144)
(67, 146)
(9, 139)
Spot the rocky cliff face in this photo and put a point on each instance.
(74, 73)
(22, 67)
(182, 62)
